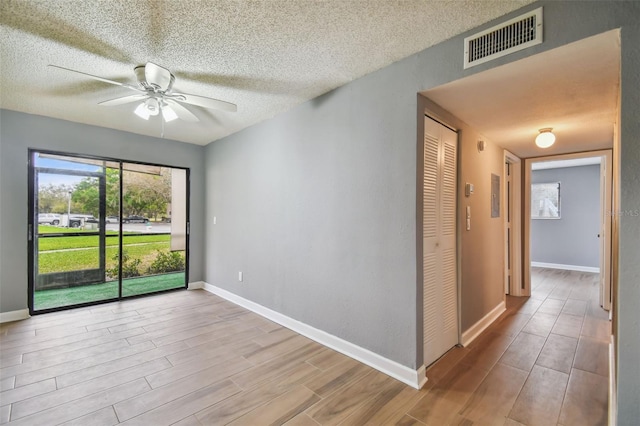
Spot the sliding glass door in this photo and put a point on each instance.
(69, 249)
(104, 229)
(150, 261)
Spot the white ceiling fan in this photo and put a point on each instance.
(156, 96)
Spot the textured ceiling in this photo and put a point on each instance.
(574, 89)
(264, 56)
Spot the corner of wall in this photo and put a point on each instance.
(409, 376)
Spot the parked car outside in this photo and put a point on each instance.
(134, 218)
(50, 218)
(112, 219)
(76, 220)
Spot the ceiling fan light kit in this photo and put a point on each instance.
(155, 90)
(168, 114)
(141, 111)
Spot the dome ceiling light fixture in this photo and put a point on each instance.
(546, 138)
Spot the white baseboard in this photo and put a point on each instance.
(14, 315)
(413, 378)
(477, 328)
(422, 377)
(196, 285)
(566, 267)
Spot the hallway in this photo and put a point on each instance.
(544, 362)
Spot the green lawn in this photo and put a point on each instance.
(74, 260)
(46, 299)
(61, 243)
(73, 253)
(48, 229)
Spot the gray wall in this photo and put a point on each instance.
(628, 288)
(298, 202)
(317, 206)
(572, 239)
(18, 132)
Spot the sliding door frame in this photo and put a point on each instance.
(32, 227)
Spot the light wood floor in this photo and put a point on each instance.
(191, 358)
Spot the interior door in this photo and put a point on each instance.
(440, 288)
(605, 231)
(508, 228)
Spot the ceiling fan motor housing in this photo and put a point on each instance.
(154, 77)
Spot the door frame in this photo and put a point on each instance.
(32, 227)
(513, 204)
(606, 206)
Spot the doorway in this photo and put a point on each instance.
(568, 200)
(512, 224)
(103, 230)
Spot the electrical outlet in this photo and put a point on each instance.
(214, 220)
(240, 276)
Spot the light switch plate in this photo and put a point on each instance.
(468, 189)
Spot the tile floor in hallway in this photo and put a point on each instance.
(544, 362)
(192, 358)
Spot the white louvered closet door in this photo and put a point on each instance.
(440, 300)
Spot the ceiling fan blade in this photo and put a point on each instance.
(95, 77)
(182, 112)
(158, 76)
(122, 100)
(81, 87)
(201, 101)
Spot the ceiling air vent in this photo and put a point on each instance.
(517, 34)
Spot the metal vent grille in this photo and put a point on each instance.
(508, 37)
